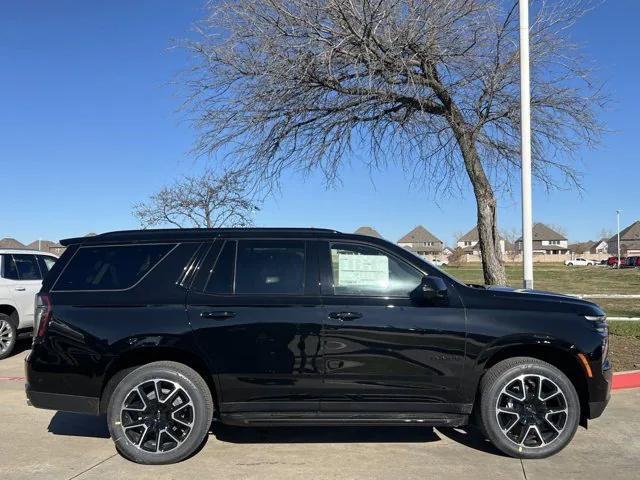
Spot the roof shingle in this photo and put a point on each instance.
(9, 242)
(542, 232)
(632, 232)
(419, 235)
(365, 230)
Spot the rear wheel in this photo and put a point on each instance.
(8, 334)
(529, 408)
(160, 413)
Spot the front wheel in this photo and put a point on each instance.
(8, 334)
(160, 413)
(529, 408)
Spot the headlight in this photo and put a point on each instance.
(600, 323)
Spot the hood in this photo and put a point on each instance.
(519, 298)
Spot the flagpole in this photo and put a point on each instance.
(525, 112)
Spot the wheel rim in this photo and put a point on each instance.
(532, 411)
(6, 336)
(157, 415)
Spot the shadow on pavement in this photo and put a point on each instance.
(22, 344)
(75, 424)
(78, 425)
(467, 436)
(307, 434)
(472, 438)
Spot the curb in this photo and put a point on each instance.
(630, 379)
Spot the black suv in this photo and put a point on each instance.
(167, 330)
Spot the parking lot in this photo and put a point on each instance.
(56, 445)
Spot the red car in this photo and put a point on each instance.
(613, 261)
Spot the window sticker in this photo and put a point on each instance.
(363, 270)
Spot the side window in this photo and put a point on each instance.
(367, 271)
(27, 266)
(110, 267)
(270, 267)
(9, 270)
(221, 274)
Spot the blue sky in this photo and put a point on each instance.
(89, 126)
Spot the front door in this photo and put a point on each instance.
(256, 312)
(384, 351)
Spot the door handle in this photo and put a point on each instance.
(20, 289)
(345, 316)
(221, 315)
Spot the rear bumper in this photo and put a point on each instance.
(66, 403)
(39, 386)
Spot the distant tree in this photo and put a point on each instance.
(455, 259)
(205, 201)
(605, 233)
(510, 237)
(558, 228)
(431, 85)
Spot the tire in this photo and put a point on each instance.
(180, 420)
(539, 419)
(8, 335)
(570, 264)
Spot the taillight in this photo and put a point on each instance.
(42, 314)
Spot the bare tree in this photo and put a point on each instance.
(205, 201)
(556, 227)
(431, 85)
(605, 233)
(510, 238)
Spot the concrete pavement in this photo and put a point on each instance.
(41, 444)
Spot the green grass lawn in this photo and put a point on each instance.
(579, 280)
(559, 278)
(625, 329)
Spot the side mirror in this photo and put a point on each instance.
(433, 289)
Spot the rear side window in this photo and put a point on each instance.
(270, 267)
(27, 266)
(110, 267)
(9, 270)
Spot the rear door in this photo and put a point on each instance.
(384, 351)
(255, 310)
(25, 279)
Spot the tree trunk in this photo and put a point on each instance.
(489, 239)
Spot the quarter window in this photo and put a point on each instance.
(270, 267)
(366, 271)
(46, 263)
(110, 267)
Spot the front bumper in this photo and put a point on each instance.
(600, 391)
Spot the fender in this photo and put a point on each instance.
(139, 350)
(560, 353)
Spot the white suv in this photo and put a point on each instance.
(21, 273)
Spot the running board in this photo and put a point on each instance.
(334, 419)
